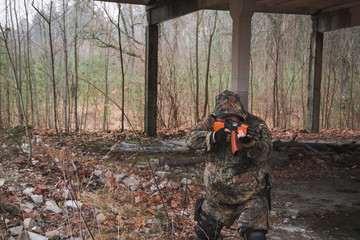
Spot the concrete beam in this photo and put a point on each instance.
(314, 87)
(342, 18)
(139, 2)
(162, 11)
(151, 71)
(241, 12)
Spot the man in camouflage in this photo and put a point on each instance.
(234, 184)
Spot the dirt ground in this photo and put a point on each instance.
(316, 209)
(315, 200)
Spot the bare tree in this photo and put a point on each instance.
(118, 28)
(199, 16)
(210, 40)
(105, 125)
(48, 20)
(76, 63)
(66, 66)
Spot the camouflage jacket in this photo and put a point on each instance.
(232, 179)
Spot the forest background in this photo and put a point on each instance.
(59, 60)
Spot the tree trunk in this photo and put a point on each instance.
(17, 63)
(52, 55)
(122, 71)
(52, 58)
(86, 107)
(198, 21)
(66, 78)
(29, 69)
(38, 123)
(208, 65)
(1, 89)
(76, 68)
(106, 99)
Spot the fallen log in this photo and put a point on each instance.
(319, 147)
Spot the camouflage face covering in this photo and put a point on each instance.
(228, 103)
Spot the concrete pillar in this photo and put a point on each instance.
(241, 12)
(151, 70)
(314, 87)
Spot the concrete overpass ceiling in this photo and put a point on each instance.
(332, 14)
(307, 7)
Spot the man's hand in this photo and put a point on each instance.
(221, 135)
(244, 138)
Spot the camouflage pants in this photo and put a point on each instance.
(251, 214)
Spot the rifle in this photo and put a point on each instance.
(235, 128)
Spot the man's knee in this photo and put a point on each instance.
(253, 234)
(208, 228)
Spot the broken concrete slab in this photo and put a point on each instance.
(52, 206)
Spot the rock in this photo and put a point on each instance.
(320, 161)
(37, 198)
(276, 238)
(52, 206)
(162, 174)
(29, 205)
(137, 199)
(52, 235)
(120, 177)
(100, 218)
(154, 188)
(66, 193)
(132, 182)
(15, 231)
(184, 213)
(32, 236)
(273, 213)
(29, 223)
(37, 229)
(172, 185)
(28, 191)
(73, 204)
(185, 181)
(2, 181)
(150, 221)
(97, 173)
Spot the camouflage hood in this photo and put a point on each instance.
(227, 103)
